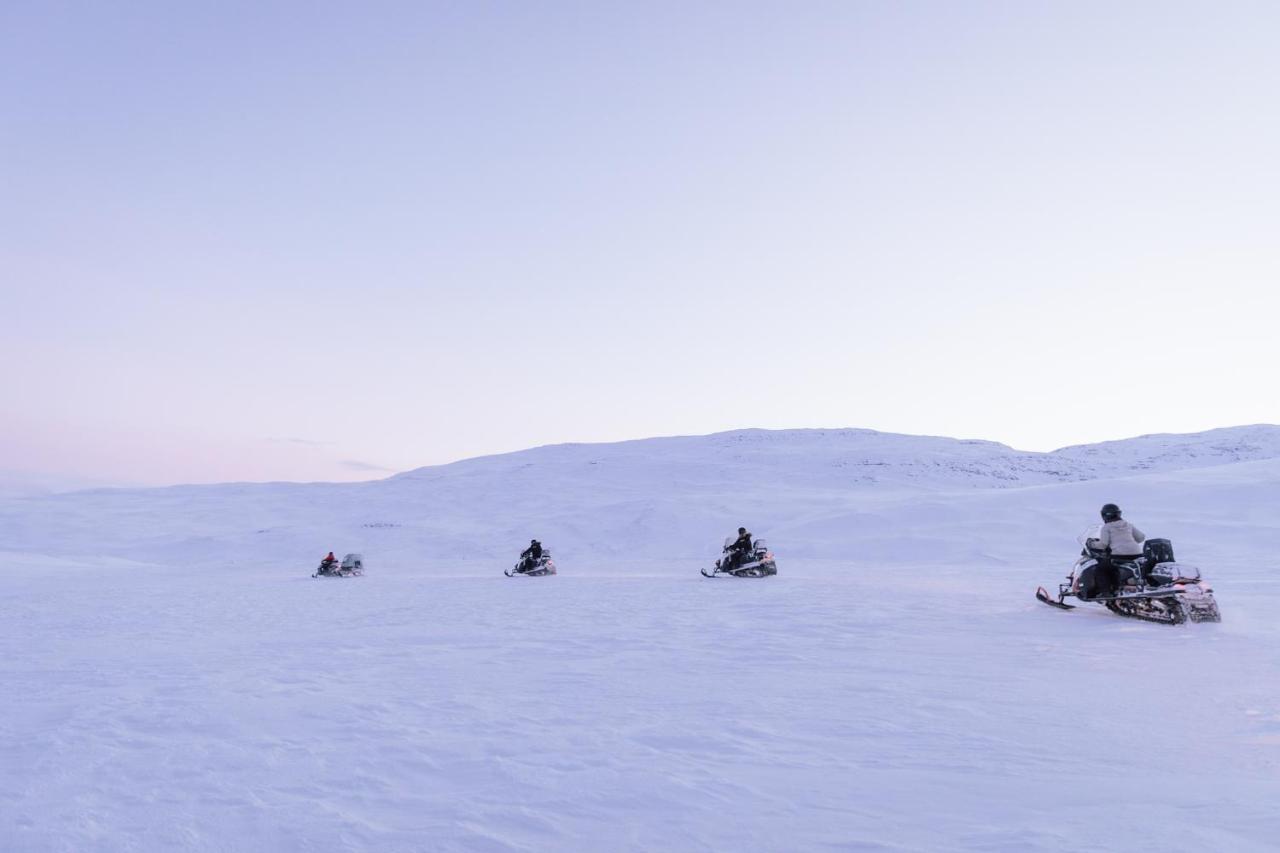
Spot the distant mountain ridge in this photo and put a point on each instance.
(869, 456)
(820, 489)
(1173, 451)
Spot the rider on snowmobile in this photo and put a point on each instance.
(1117, 540)
(530, 556)
(738, 549)
(329, 565)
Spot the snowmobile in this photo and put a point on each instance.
(544, 565)
(351, 566)
(1153, 587)
(758, 563)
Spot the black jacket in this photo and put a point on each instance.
(533, 552)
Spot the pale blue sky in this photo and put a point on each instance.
(318, 240)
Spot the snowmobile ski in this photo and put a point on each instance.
(1042, 595)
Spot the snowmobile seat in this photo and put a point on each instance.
(1126, 569)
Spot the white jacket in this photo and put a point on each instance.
(1123, 538)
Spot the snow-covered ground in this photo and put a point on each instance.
(173, 679)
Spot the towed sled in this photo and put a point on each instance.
(544, 565)
(758, 563)
(1152, 588)
(351, 566)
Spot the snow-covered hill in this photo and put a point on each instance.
(1172, 452)
(172, 679)
(679, 495)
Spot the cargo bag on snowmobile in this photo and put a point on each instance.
(1157, 551)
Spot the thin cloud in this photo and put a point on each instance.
(357, 465)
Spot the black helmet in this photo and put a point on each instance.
(741, 530)
(533, 541)
(1110, 512)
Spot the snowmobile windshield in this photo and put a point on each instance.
(1093, 531)
(729, 540)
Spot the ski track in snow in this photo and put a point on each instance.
(895, 688)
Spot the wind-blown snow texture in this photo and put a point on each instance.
(172, 679)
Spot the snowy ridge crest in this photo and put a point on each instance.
(849, 457)
(815, 489)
